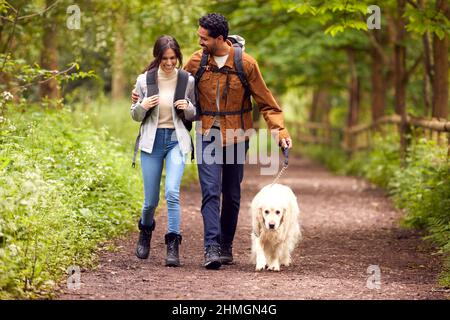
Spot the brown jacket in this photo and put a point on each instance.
(207, 90)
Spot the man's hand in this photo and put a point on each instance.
(150, 102)
(286, 143)
(181, 104)
(134, 96)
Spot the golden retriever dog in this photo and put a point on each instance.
(276, 227)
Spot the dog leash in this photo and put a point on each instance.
(285, 165)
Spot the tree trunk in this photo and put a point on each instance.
(314, 105)
(400, 60)
(378, 84)
(49, 56)
(354, 97)
(400, 74)
(325, 106)
(118, 76)
(427, 75)
(428, 69)
(319, 108)
(440, 81)
(353, 106)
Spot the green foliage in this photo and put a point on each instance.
(421, 188)
(339, 15)
(341, 26)
(427, 19)
(380, 163)
(63, 189)
(334, 158)
(22, 77)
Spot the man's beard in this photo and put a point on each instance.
(208, 51)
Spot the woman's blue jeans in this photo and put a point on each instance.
(165, 148)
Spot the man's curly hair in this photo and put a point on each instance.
(216, 24)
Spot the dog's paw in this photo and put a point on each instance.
(260, 267)
(260, 262)
(286, 262)
(274, 267)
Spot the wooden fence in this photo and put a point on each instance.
(359, 137)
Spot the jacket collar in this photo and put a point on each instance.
(230, 60)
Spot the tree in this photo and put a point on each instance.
(440, 55)
(120, 16)
(49, 53)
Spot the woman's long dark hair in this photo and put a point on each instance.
(161, 45)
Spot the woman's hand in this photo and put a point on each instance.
(150, 102)
(134, 96)
(181, 104)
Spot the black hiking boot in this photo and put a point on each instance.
(212, 257)
(226, 254)
(173, 240)
(145, 236)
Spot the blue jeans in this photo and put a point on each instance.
(164, 148)
(221, 177)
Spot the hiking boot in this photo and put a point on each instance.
(212, 257)
(226, 254)
(145, 236)
(173, 240)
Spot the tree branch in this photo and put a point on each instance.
(411, 2)
(11, 35)
(52, 77)
(29, 15)
(5, 18)
(39, 13)
(378, 47)
(12, 8)
(413, 67)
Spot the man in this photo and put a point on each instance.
(224, 106)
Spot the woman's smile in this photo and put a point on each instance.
(168, 68)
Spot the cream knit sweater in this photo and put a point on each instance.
(166, 85)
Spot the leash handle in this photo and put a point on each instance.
(286, 155)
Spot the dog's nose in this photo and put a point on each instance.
(272, 225)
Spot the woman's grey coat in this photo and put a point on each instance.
(148, 129)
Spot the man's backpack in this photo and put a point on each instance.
(180, 92)
(239, 46)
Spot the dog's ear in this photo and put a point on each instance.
(292, 212)
(284, 216)
(260, 215)
(256, 210)
(259, 220)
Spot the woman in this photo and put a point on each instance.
(163, 137)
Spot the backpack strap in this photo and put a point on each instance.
(180, 93)
(182, 82)
(241, 74)
(152, 89)
(198, 75)
(152, 81)
(240, 68)
(202, 68)
(227, 113)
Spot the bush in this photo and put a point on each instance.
(63, 190)
(66, 186)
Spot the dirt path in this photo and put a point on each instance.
(347, 226)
